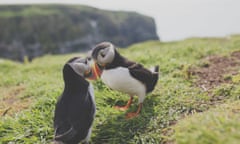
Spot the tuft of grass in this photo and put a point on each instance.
(235, 78)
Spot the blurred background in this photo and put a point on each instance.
(32, 28)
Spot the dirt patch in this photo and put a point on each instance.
(212, 72)
(11, 102)
(216, 70)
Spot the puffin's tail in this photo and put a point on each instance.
(155, 72)
(156, 69)
(155, 75)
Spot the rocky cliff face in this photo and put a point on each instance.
(34, 30)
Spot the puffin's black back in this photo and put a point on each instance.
(136, 70)
(75, 108)
(119, 61)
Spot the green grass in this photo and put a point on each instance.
(218, 125)
(174, 101)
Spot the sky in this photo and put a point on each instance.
(175, 19)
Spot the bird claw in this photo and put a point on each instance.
(131, 115)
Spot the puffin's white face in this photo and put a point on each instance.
(81, 66)
(103, 53)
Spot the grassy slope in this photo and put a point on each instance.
(218, 125)
(39, 84)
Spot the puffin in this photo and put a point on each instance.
(123, 75)
(75, 108)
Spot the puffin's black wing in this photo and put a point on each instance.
(64, 132)
(141, 74)
(82, 115)
(73, 122)
(62, 127)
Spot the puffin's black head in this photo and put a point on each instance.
(103, 53)
(81, 66)
(76, 68)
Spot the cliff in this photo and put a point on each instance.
(35, 30)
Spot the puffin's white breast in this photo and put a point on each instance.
(91, 91)
(120, 79)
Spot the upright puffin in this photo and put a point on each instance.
(124, 75)
(75, 108)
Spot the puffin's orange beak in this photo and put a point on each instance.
(96, 72)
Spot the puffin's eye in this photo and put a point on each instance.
(89, 58)
(102, 54)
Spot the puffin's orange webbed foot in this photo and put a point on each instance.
(124, 108)
(134, 114)
(131, 115)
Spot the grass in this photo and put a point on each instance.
(218, 125)
(169, 113)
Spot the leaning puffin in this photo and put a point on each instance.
(75, 108)
(123, 75)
